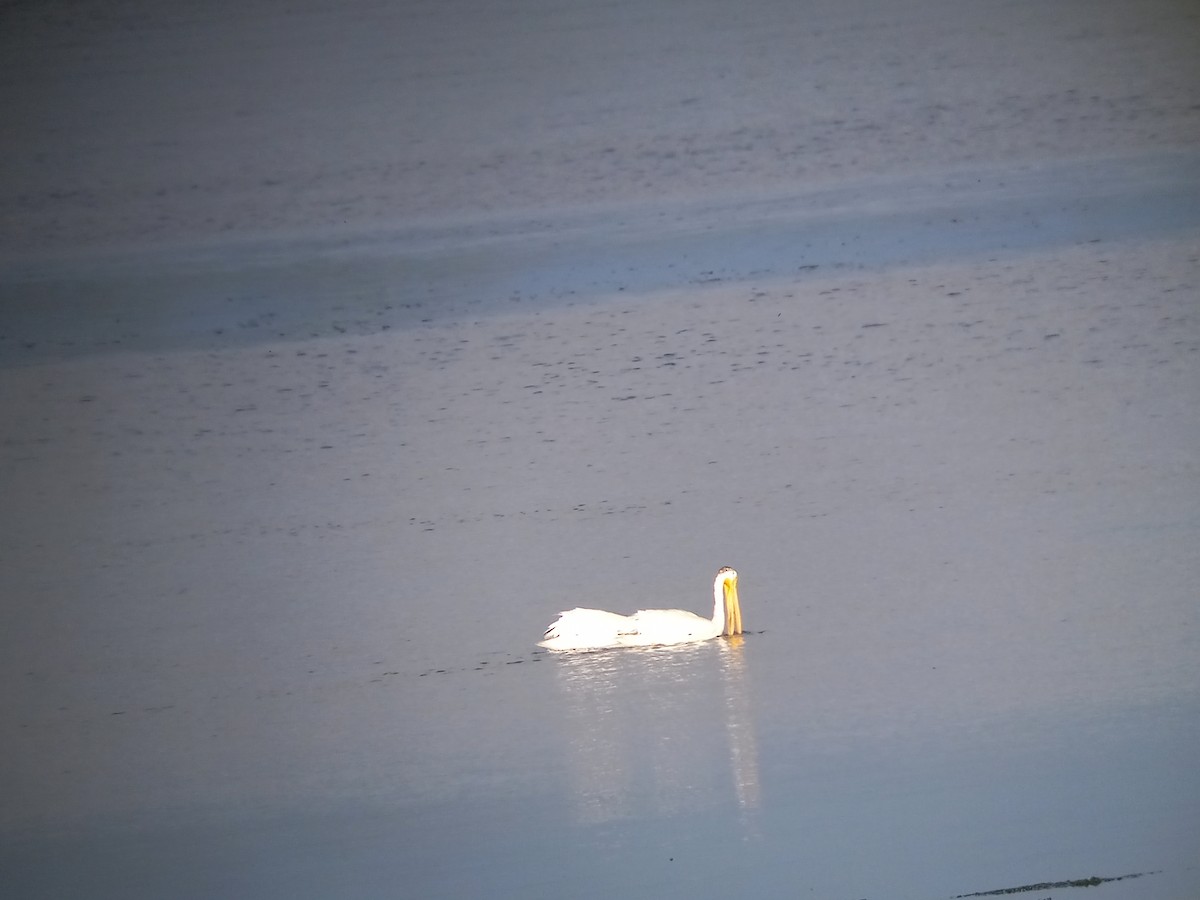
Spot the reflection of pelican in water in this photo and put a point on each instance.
(595, 629)
(739, 723)
(659, 731)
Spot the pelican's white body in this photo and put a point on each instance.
(595, 629)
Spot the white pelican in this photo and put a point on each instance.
(595, 629)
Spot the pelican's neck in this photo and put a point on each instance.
(719, 603)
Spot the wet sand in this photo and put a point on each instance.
(289, 498)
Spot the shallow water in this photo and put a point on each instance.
(274, 622)
(704, 770)
(226, 294)
(276, 612)
(413, 346)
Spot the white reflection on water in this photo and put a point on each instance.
(658, 731)
(739, 723)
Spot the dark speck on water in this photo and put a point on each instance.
(1091, 881)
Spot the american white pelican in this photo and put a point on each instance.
(595, 629)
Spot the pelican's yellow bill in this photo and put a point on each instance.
(733, 610)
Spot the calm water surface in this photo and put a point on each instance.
(699, 771)
(273, 629)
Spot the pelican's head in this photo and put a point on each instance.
(727, 578)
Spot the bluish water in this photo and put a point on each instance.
(681, 773)
(391, 279)
(272, 628)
